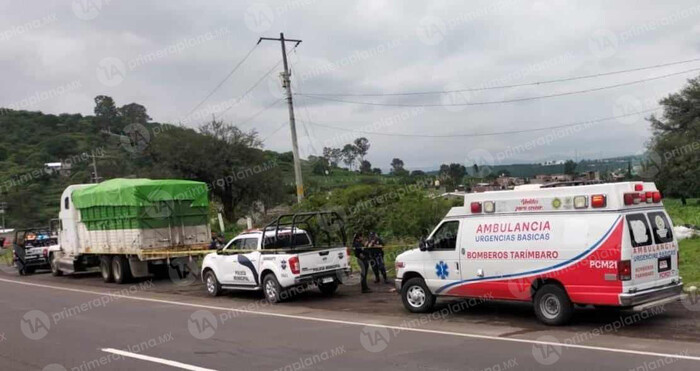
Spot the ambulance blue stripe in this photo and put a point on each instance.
(578, 257)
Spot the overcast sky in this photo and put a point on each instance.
(168, 55)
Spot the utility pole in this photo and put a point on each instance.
(3, 207)
(292, 123)
(95, 178)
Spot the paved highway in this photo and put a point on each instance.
(57, 324)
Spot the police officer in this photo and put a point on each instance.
(375, 247)
(362, 260)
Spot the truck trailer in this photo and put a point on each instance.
(130, 227)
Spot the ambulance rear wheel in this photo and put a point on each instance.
(553, 306)
(416, 296)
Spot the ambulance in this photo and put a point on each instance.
(605, 245)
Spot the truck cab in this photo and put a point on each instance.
(276, 259)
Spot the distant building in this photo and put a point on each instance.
(62, 168)
(553, 162)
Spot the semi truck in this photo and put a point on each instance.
(130, 228)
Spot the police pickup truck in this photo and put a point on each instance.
(281, 257)
(31, 249)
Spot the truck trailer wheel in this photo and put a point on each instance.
(121, 269)
(553, 306)
(106, 268)
(416, 296)
(272, 289)
(55, 271)
(213, 285)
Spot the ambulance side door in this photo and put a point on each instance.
(441, 264)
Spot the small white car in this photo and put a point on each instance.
(280, 261)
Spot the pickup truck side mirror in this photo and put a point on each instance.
(220, 251)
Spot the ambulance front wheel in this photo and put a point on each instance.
(416, 296)
(553, 306)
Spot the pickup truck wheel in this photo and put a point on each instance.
(121, 269)
(272, 289)
(55, 271)
(553, 306)
(213, 285)
(328, 289)
(416, 296)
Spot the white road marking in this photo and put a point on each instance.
(354, 323)
(162, 361)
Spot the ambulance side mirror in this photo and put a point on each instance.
(425, 244)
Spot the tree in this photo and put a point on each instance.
(133, 113)
(417, 173)
(332, 155)
(105, 111)
(349, 154)
(397, 167)
(365, 167)
(570, 167)
(361, 147)
(675, 142)
(377, 171)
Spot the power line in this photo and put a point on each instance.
(502, 101)
(274, 132)
(457, 135)
(223, 81)
(240, 124)
(254, 85)
(508, 86)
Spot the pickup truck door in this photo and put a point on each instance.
(441, 263)
(238, 262)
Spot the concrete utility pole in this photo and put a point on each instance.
(292, 123)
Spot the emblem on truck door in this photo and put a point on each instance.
(441, 270)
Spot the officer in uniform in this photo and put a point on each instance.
(362, 260)
(375, 247)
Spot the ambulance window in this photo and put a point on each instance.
(445, 238)
(639, 230)
(661, 227)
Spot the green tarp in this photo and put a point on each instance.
(141, 192)
(142, 204)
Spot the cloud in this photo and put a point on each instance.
(168, 56)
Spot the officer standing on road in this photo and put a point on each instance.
(375, 247)
(362, 260)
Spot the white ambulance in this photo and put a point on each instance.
(602, 245)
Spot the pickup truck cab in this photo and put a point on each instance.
(605, 245)
(275, 260)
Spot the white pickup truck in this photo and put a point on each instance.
(275, 260)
